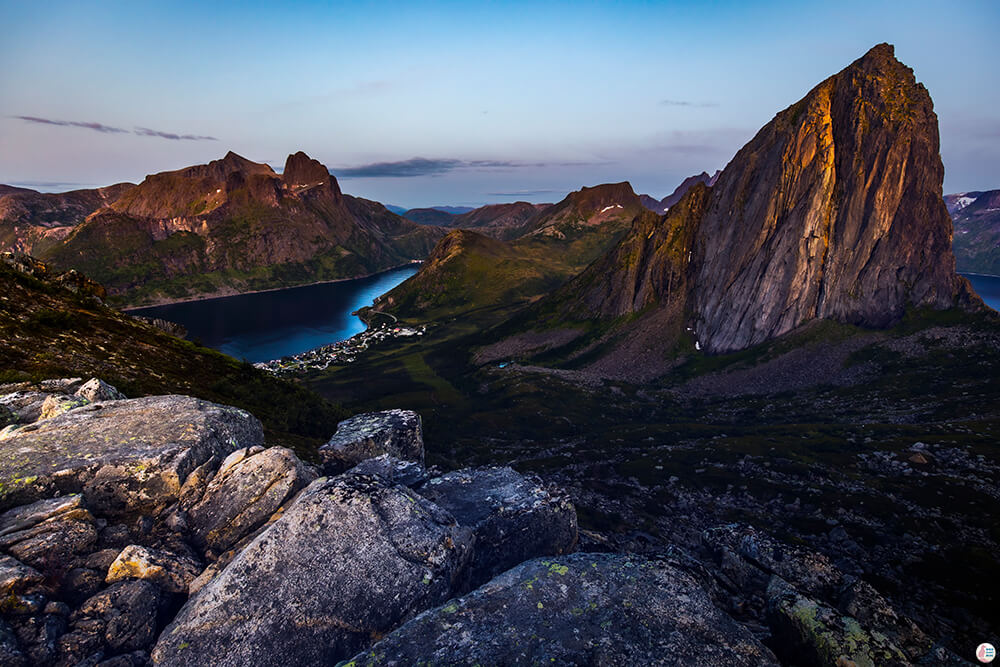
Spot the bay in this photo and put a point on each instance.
(987, 287)
(270, 325)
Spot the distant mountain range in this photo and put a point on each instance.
(228, 226)
(976, 219)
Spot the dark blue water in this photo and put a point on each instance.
(271, 325)
(987, 287)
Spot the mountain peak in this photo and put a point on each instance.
(302, 172)
(880, 53)
(832, 211)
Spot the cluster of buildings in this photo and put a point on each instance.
(337, 354)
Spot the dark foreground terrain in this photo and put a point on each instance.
(877, 448)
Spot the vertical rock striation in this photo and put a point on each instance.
(833, 211)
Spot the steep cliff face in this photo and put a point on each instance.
(832, 211)
(233, 225)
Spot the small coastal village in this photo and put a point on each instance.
(339, 353)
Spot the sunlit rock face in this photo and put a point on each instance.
(833, 211)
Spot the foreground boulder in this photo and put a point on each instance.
(398, 433)
(126, 456)
(817, 614)
(349, 560)
(250, 486)
(171, 572)
(397, 471)
(578, 609)
(48, 534)
(512, 517)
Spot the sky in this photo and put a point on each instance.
(461, 103)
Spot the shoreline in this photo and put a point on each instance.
(980, 275)
(171, 302)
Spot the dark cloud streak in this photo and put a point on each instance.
(419, 166)
(108, 129)
(146, 132)
(98, 127)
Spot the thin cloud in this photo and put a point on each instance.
(523, 193)
(419, 166)
(50, 184)
(146, 132)
(97, 127)
(687, 103)
(109, 129)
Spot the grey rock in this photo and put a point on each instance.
(25, 406)
(128, 612)
(580, 609)
(398, 433)
(96, 390)
(83, 644)
(860, 600)
(808, 632)
(513, 518)
(16, 577)
(80, 583)
(101, 560)
(749, 557)
(349, 560)
(57, 608)
(7, 416)
(37, 636)
(244, 494)
(57, 404)
(48, 534)
(171, 572)
(128, 457)
(10, 651)
(22, 605)
(61, 385)
(397, 471)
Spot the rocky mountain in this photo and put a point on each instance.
(976, 218)
(470, 271)
(501, 221)
(32, 221)
(832, 212)
(234, 225)
(55, 325)
(429, 216)
(662, 205)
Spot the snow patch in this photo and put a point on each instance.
(963, 201)
(608, 208)
(697, 345)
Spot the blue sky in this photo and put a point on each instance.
(499, 101)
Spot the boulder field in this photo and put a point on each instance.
(163, 530)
